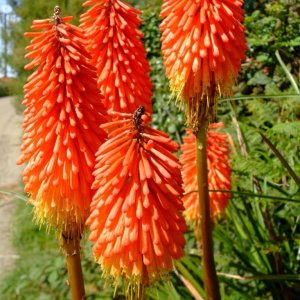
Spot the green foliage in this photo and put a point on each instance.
(278, 120)
(6, 86)
(253, 246)
(274, 25)
(259, 239)
(40, 272)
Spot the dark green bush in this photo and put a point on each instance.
(274, 25)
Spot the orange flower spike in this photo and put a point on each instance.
(219, 173)
(135, 220)
(61, 124)
(203, 45)
(118, 54)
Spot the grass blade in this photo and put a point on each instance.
(292, 277)
(16, 195)
(190, 287)
(287, 72)
(281, 158)
(238, 98)
(253, 195)
(188, 276)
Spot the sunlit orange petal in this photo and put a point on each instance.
(219, 173)
(61, 124)
(118, 54)
(135, 220)
(203, 44)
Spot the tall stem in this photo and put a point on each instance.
(71, 246)
(210, 277)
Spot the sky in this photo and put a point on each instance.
(3, 6)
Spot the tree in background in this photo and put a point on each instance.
(27, 11)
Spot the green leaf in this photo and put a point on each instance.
(281, 158)
(185, 272)
(287, 72)
(259, 79)
(288, 129)
(253, 97)
(278, 277)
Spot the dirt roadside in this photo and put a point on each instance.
(10, 176)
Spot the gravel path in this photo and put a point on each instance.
(10, 176)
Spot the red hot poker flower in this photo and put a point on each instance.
(219, 173)
(118, 53)
(203, 44)
(61, 124)
(135, 219)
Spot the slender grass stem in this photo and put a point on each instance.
(71, 246)
(210, 277)
(136, 295)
